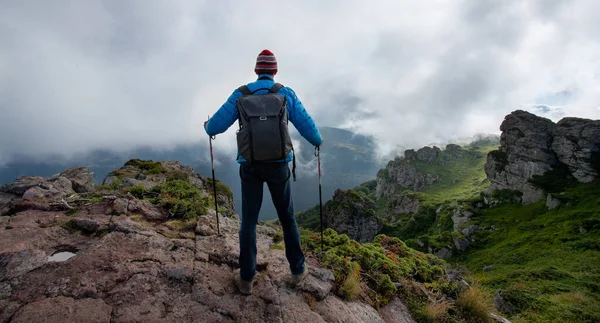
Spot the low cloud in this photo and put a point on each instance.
(82, 75)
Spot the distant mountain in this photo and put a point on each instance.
(348, 159)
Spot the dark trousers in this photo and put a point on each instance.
(277, 177)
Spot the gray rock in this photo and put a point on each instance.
(410, 154)
(404, 203)
(55, 188)
(396, 312)
(503, 305)
(575, 142)
(146, 209)
(22, 184)
(488, 268)
(525, 151)
(318, 288)
(531, 145)
(398, 173)
(499, 319)
(552, 202)
(461, 244)
(322, 274)
(461, 216)
(35, 193)
(333, 309)
(428, 154)
(120, 206)
(468, 231)
(352, 214)
(82, 179)
(444, 253)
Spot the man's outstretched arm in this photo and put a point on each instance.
(225, 116)
(302, 120)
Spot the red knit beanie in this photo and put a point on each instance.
(266, 63)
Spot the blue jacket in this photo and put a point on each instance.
(297, 115)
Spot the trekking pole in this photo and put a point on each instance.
(318, 153)
(212, 162)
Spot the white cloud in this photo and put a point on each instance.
(76, 75)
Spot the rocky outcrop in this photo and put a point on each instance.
(101, 263)
(577, 144)
(82, 179)
(532, 145)
(352, 213)
(403, 203)
(400, 174)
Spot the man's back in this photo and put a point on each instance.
(297, 115)
(276, 175)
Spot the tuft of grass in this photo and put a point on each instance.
(437, 311)
(181, 225)
(350, 288)
(277, 247)
(474, 304)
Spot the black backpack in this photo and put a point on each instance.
(263, 135)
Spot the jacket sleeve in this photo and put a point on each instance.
(225, 116)
(300, 118)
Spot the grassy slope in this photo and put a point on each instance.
(548, 267)
(460, 179)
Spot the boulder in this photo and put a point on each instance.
(428, 154)
(525, 151)
(146, 209)
(461, 216)
(82, 179)
(552, 202)
(577, 145)
(444, 253)
(461, 243)
(404, 203)
(532, 145)
(22, 184)
(502, 304)
(352, 213)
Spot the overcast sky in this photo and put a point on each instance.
(77, 75)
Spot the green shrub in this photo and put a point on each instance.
(222, 189)
(150, 166)
(137, 191)
(182, 199)
(177, 175)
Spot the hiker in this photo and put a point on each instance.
(264, 151)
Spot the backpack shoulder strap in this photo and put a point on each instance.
(245, 90)
(275, 88)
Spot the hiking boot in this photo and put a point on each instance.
(297, 279)
(245, 287)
